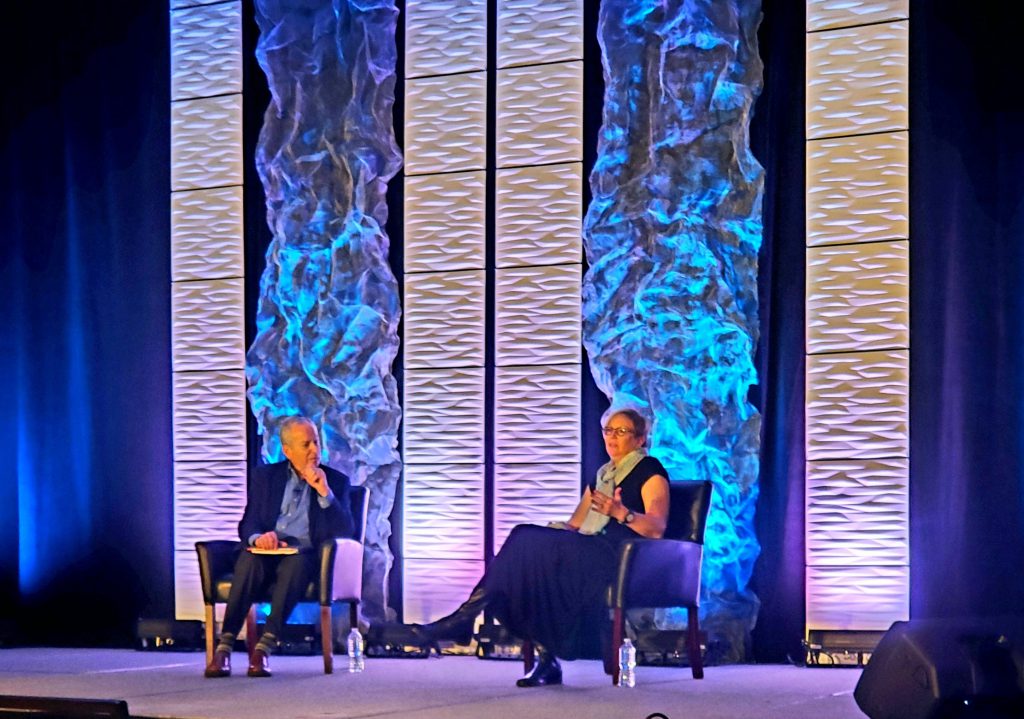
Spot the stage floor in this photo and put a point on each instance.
(166, 684)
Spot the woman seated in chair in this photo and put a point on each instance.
(547, 584)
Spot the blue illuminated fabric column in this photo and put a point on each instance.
(672, 236)
(327, 322)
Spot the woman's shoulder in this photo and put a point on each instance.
(650, 466)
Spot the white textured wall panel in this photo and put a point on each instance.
(538, 114)
(538, 31)
(206, 51)
(827, 14)
(445, 36)
(537, 215)
(209, 498)
(443, 509)
(206, 234)
(444, 222)
(537, 414)
(857, 598)
(444, 416)
(537, 318)
(858, 405)
(188, 592)
(858, 189)
(206, 142)
(207, 284)
(533, 494)
(208, 325)
(436, 587)
(857, 297)
(444, 319)
(446, 123)
(209, 416)
(857, 80)
(857, 512)
(857, 314)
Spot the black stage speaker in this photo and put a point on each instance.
(57, 708)
(945, 669)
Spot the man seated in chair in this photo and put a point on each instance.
(295, 503)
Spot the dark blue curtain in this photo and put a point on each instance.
(85, 493)
(777, 140)
(967, 327)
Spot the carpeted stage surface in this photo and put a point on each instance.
(165, 684)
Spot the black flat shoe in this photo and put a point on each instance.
(546, 672)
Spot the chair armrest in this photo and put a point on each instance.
(657, 573)
(216, 558)
(341, 571)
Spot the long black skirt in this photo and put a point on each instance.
(549, 585)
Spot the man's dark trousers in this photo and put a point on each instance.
(290, 575)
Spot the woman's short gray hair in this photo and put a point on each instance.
(633, 415)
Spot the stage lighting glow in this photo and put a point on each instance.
(329, 304)
(672, 235)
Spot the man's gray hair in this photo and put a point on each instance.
(288, 422)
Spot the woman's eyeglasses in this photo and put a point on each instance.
(616, 431)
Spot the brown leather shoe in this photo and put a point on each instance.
(219, 666)
(259, 664)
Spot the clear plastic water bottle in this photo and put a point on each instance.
(356, 660)
(627, 664)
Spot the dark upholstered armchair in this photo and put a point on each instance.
(340, 580)
(656, 573)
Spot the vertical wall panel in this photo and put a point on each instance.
(444, 319)
(445, 36)
(538, 250)
(207, 284)
(857, 80)
(536, 184)
(858, 337)
(857, 187)
(444, 222)
(539, 114)
(445, 303)
(445, 123)
(538, 218)
(531, 32)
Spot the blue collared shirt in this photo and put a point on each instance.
(293, 522)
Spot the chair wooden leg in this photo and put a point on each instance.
(528, 655)
(210, 632)
(693, 643)
(250, 631)
(618, 632)
(327, 638)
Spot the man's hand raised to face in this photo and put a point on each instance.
(316, 478)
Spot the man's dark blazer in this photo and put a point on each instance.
(266, 485)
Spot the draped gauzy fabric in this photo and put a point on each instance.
(329, 308)
(672, 236)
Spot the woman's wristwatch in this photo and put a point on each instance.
(628, 519)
